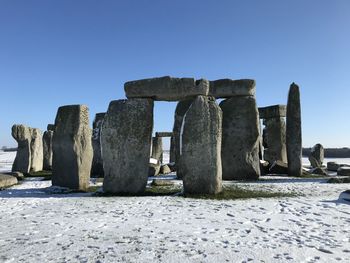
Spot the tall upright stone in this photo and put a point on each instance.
(293, 134)
(240, 139)
(275, 140)
(126, 143)
(181, 109)
(97, 163)
(23, 136)
(47, 147)
(200, 149)
(157, 149)
(72, 150)
(36, 147)
(172, 149)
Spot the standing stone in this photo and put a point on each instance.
(47, 148)
(157, 149)
(240, 139)
(126, 142)
(316, 156)
(72, 150)
(200, 149)
(294, 140)
(97, 163)
(275, 140)
(36, 148)
(172, 150)
(23, 136)
(181, 108)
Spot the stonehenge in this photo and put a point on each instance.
(97, 163)
(316, 156)
(126, 142)
(47, 147)
(293, 132)
(72, 149)
(210, 142)
(29, 155)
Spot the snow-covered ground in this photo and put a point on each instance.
(6, 161)
(38, 226)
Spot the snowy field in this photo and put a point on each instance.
(39, 226)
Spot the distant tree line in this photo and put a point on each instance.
(331, 152)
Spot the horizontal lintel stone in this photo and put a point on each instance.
(226, 88)
(274, 111)
(164, 134)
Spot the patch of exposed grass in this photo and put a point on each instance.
(235, 192)
(337, 180)
(46, 174)
(149, 191)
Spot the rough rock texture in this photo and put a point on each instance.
(164, 134)
(51, 127)
(23, 136)
(240, 139)
(153, 169)
(47, 149)
(157, 149)
(274, 111)
(344, 171)
(36, 148)
(18, 175)
(7, 180)
(181, 108)
(97, 163)
(293, 133)
(172, 153)
(165, 88)
(126, 143)
(71, 146)
(200, 150)
(165, 169)
(226, 88)
(333, 166)
(279, 167)
(316, 156)
(275, 140)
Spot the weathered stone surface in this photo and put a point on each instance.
(23, 136)
(226, 88)
(172, 150)
(279, 167)
(333, 166)
(126, 143)
(36, 148)
(71, 146)
(7, 181)
(165, 169)
(240, 139)
(47, 149)
(51, 127)
(316, 156)
(274, 111)
(165, 88)
(181, 108)
(18, 175)
(293, 134)
(344, 171)
(97, 163)
(153, 169)
(275, 140)
(157, 149)
(164, 134)
(162, 182)
(200, 147)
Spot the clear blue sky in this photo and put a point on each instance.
(63, 52)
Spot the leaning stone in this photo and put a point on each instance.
(157, 149)
(126, 143)
(200, 149)
(23, 136)
(274, 111)
(226, 88)
(97, 163)
(344, 171)
(164, 169)
(274, 137)
(316, 155)
(71, 146)
(293, 134)
(180, 111)
(240, 139)
(279, 167)
(7, 181)
(165, 88)
(47, 149)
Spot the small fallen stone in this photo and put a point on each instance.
(162, 182)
